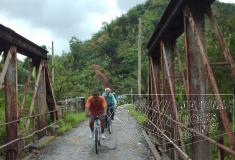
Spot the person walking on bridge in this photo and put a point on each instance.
(110, 100)
(96, 106)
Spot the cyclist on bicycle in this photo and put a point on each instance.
(110, 100)
(96, 106)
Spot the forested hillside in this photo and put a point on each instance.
(109, 58)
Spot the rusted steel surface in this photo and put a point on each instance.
(41, 99)
(214, 87)
(219, 36)
(154, 98)
(50, 96)
(171, 23)
(33, 97)
(178, 19)
(11, 105)
(8, 37)
(26, 89)
(156, 79)
(8, 81)
(197, 78)
(155, 68)
(5, 67)
(225, 148)
(169, 89)
(167, 47)
(179, 150)
(150, 96)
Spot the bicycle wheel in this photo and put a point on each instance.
(110, 125)
(96, 141)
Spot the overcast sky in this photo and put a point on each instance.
(42, 21)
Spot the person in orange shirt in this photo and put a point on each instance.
(96, 106)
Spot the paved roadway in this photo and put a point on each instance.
(126, 143)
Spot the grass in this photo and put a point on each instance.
(139, 116)
(70, 120)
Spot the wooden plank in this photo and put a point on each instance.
(151, 146)
(5, 67)
(214, 86)
(11, 102)
(33, 97)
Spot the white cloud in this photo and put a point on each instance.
(42, 21)
(227, 1)
(58, 20)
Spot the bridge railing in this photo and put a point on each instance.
(187, 19)
(38, 93)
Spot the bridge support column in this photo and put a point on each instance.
(168, 47)
(50, 96)
(155, 72)
(197, 81)
(11, 101)
(41, 100)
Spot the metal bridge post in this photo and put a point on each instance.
(41, 100)
(50, 96)
(150, 96)
(168, 47)
(196, 77)
(11, 102)
(155, 72)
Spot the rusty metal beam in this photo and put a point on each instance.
(169, 89)
(171, 23)
(50, 96)
(225, 148)
(11, 102)
(196, 76)
(214, 87)
(219, 36)
(155, 71)
(33, 98)
(156, 78)
(5, 67)
(8, 37)
(41, 99)
(179, 150)
(169, 69)
(26, 89)
(150, 89)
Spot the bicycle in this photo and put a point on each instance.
(97, 131)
